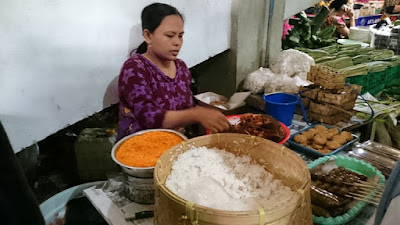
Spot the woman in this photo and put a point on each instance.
(391, 6)
(340, 9)
(154, 85)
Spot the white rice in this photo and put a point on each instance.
(221, 180)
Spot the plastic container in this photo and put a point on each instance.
(281, 106)
(92, 152)
(357, 166)
(311, 152)
(360, 34)
(56, 204)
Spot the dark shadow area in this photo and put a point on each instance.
(56, 168)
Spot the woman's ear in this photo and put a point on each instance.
(147, 36)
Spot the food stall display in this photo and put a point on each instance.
(370, 68)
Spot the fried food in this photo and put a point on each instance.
(333, 131)
(301, 139)
(339, 139)
(309, 135)
(347, 135)
(330, 135)
(320, 127)
(333, 145)
(320, 139)
(313, 131)
(325, 151)
(317, 146)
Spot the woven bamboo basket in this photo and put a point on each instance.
(277, 159)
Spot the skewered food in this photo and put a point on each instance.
(329, 191)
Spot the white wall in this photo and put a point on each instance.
(57, 57)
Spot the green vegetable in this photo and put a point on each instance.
(360, 69)
(341, 62)
(324, 59)
(361, 59)
(393, 90)
(307, 33)
(327, 32)
(382, 135)
(319, 19)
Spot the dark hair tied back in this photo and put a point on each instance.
(152, 15)
(337, 4)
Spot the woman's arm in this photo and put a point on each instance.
(212, 119)
(350, 14)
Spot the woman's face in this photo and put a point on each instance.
(167, 39)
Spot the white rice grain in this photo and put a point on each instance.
(240, 178)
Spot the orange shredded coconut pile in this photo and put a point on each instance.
(145, 149)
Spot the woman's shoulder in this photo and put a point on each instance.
(135, 61)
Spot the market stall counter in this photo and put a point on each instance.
(369, 159)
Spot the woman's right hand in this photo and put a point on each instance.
(349, 11)
(212, 119)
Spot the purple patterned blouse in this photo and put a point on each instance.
(146, 94)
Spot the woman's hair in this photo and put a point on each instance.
(337, 4)
(152, 15)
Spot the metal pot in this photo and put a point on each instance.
(143, 172)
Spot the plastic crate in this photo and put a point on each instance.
(359, 80)
(376, 90)
(372, 82)
(392, 73)
(375, 79)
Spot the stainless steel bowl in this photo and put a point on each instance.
(143, 172)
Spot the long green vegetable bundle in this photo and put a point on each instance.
(346, 58)
(307, 32)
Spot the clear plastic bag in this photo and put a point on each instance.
(284, 83)
(255, 81)
(292, 62)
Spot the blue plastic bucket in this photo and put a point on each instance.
(281, 106)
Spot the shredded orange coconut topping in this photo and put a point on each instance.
(145, 149)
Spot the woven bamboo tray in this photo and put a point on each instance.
(277, 159)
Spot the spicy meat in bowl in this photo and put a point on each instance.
(260, 125)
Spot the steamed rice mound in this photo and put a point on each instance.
(218, 179)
